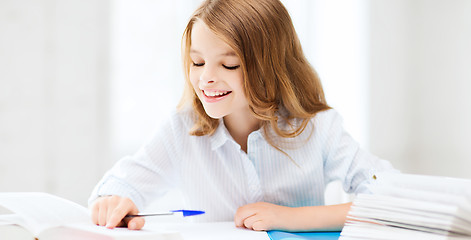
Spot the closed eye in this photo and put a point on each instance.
(198, 64)
(231, 67)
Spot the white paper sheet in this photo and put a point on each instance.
(210, 231)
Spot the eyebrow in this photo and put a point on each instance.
(230, 53)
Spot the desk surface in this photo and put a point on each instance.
(208, 231)
(227, 231)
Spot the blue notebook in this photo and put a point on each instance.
(280, 235)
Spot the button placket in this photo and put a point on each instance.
(253, 181)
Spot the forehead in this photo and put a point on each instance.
(203, 40)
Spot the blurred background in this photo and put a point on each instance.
(85, 82)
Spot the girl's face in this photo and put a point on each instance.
(215, 73)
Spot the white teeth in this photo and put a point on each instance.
(214, 94)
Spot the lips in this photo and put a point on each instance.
(218, 93)
(214, 95)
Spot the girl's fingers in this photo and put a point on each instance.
(136, 223)
(111, 211)
(243, 213)
(249, 222)
(123, 207)
(116, 217)
(110, 214)
(94, 213)
(260, 226)
(102, 213)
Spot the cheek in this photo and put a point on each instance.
(240, 83)
(240, 88)
(194, 78)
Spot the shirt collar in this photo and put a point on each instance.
(220, 136)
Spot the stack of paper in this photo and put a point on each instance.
(405, 206)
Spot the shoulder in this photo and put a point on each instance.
(318, 129)
(326, 128)
(184, 117)
(327, 120)
(327, 115)
(177, 122)
(320, 125)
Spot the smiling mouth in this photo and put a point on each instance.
(216, 94)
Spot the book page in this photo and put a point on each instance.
(210, 231)
(90, 231)
(10, 231)
(12, 219)
(40, 211)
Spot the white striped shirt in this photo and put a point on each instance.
(215, 175)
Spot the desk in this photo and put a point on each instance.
(227, 231)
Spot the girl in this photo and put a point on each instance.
(254, 139)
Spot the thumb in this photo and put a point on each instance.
(136, 223)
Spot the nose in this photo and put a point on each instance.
(208, 75)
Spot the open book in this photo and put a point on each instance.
(32, 215)
(406, 206)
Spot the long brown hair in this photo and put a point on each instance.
(277, 76)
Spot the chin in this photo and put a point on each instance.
(214, 114)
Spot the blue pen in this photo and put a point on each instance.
(186, 213)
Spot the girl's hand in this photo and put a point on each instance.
(110, 211)
(263, 216)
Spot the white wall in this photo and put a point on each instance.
(389, 82)
(421, 85)
(442, 51)
(53, 95)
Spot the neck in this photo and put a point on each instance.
(240, 125)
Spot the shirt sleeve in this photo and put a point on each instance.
(148, 174)
(345, 160)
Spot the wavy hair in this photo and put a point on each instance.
(277, 76)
